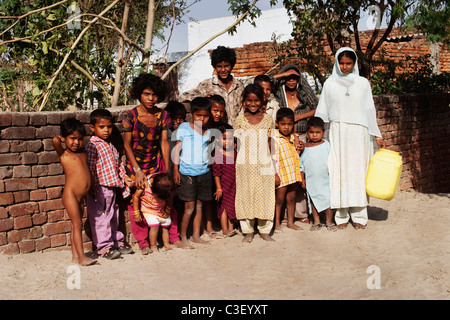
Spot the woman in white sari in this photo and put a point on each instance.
(347, 104)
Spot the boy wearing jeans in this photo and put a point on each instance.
(109, 175)
(190, 169)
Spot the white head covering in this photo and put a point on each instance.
(349, 79)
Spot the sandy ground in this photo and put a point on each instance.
(403, 254)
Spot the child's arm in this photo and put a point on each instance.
(176, 162)
(165, 149)
(303, 180)
(57, 144)
(136, 208)
(219, 191)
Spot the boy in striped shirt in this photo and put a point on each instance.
(286, 160)
(109, 176)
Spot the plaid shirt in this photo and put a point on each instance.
(232, 97)
(286, 160)
(105, 165)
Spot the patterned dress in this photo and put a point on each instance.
(255, 175)
(146, 142)
(225, 168)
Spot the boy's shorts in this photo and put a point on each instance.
(195, 187)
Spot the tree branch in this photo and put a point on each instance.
(207, 41)
(66, 57)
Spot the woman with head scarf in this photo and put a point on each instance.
(347, 104)
(293, 91)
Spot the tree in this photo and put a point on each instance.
(334, 23)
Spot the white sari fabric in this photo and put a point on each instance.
(347, 104)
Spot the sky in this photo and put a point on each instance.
(205, 9)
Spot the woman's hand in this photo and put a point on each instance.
(139, 179)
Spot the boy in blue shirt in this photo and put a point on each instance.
(190, 168)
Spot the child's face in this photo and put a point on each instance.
(177, 120)
(217, 111)
(267, 88)
(227, 140)
(252, 103)
(74, 141)
(223, 69)
(102, 129)
(200, 118)
(314, 134)
(148, 98)
(285, 126)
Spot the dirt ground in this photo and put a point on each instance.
(402, 254)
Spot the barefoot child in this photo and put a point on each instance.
(109, 175)
(315, 177)
(224, 172)
(255, 177)
(190, 168)
(154, 203)
(78, 182)
(287, 166)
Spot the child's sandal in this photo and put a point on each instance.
(111, 254)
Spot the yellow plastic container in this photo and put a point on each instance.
(383, 175)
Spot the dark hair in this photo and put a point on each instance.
(285, 113)
(223, 127)
(262, 78)
(99, 114)
(71, 125)
(348, 54)
(253, 88)
(162, 186)
(216, 98)
(175, 108)
(315, 122)
(222, 53)
(148, 81)
(200, 103)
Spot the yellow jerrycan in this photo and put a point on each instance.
(383, 174)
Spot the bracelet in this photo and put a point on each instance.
(219, 190)
(136, 212)
(137, 169)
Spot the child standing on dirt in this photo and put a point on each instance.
(109, 177)
(77, 182)
(154, 203)
(315, 177)
(287, 166)
(224, 172)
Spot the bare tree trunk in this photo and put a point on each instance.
(117, 86)
(149, 33)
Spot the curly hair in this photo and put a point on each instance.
(222, 53)
(148, 81)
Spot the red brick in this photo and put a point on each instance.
(42, 243)
(23, 209)
(21, 196)
(20, 119)
(50, 205)
(51, 181)
(12, 248)
(22, 222)
(6, 198)
(57, 215)
(6, 224)
(18, 133)
(39, 218)
(20, 184)
(27, 246)
(56, 228)
(58, 240)
(54, 193)
(38, 195)
(3, 239)
(6, 119)
(9, 159)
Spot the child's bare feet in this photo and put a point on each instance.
(248, 237)
(266, 237)
(198, 239)
(182, 245)
(293, 226)
(86, 261)
(146, 250)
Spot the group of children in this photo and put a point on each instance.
(246, 173)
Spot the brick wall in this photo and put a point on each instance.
(33, 218)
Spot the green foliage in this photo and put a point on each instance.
(418, 77)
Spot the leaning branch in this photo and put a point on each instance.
(207, 41)
(66, 57)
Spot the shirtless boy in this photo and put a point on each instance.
(78, 181)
